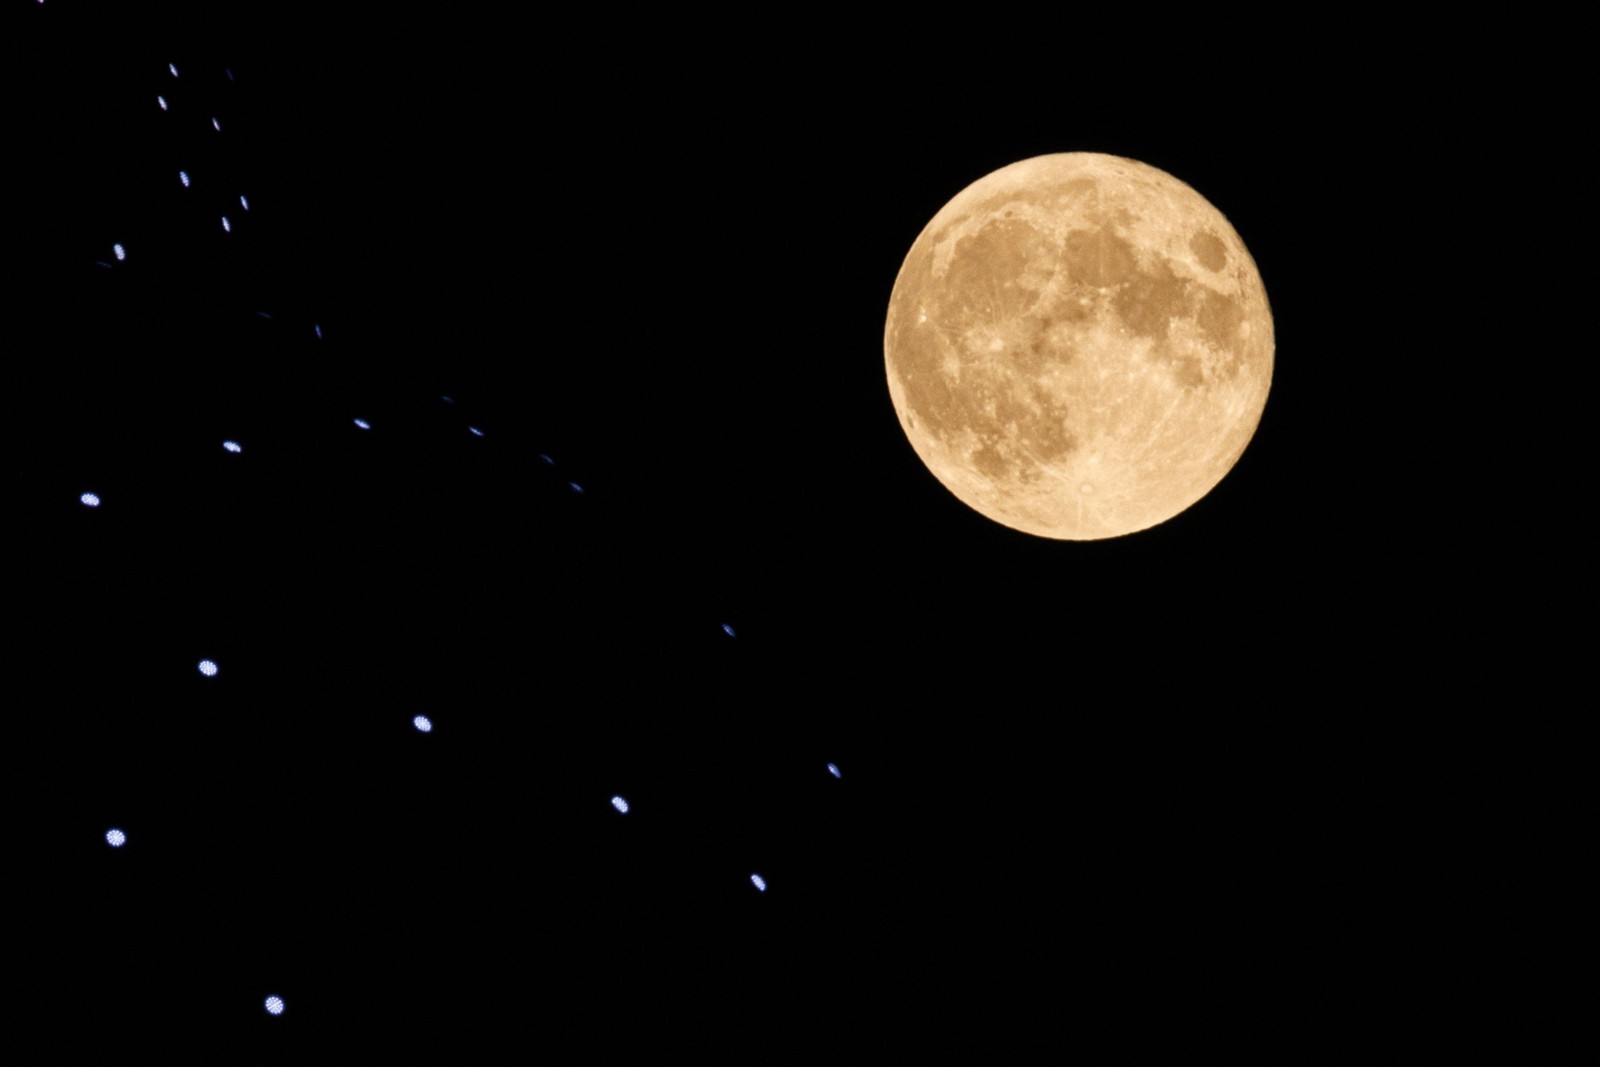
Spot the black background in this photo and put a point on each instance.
(1125, 787)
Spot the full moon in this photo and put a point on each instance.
(1079, 346)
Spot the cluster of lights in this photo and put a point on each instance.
(117, 838)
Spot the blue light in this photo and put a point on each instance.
(759, 882)
(91, 500)
(208, 668)
(215, 125)
(174, 68)
(423, 723)
(447, 400)
(364, 424)
(121, 253)
(232, 446)
(727, 629)
(227, 227)
(575, 487)
(116, 838)
(475, 431)
(833, 769)
(274, 1005)
(183, 176)
(243, 202)
(162, 101)
(620, 804)
(548, 462)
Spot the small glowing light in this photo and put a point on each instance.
(547, 460)
(227, 227)
(447, 400)
(576, 488)
(183, 176)
(319, 332)
(728, 630)
(423, 723)
(208, 668)
(121, 253)
(90, 500)
(229, 72)
(162, 101)
(620, 804)
(274, 1005)
(174, 68)
(833, 769)
(364, 424)
(264, 315)
(475, 431)
(232, 446)
(759, 882)
(243, 202)
(116, 838)
(215, 125)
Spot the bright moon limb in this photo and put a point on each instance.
(1079, 346)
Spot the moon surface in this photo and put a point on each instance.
(1079, 346)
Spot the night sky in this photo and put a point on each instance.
(1100, 786)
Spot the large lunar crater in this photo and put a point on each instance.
(1079, 346)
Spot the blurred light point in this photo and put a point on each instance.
(91, 500)
(759, 882)
(620, 804)
(227, 227)
(364, 424)
(116, 838)
(274, 1005)
(475, 431)
(833, 769)
(174, 68)
(162, 101)
(215, 125)
(208, 668)
(232, 446)
(727, 629)
(243, 202)
(121, 253)
(183, 176)
(423, 723)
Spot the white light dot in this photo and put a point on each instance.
(759, 882)
(620, 804)
(215, 125)
(183, 176)
(162, 101)
(475, 431)
(121, 253)
(243, 202)
(364, 424)
(274, 1005)
(174, 68)
(548, 462)
(232, 446)
(91, 500)
(576, 488)
(226, 225)
(727, 629)
(116, 838)
(423, 723)
(833, 769)
(208, 668)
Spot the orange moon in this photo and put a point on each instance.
(1079, 346)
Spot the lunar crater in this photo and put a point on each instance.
(1074, 299)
